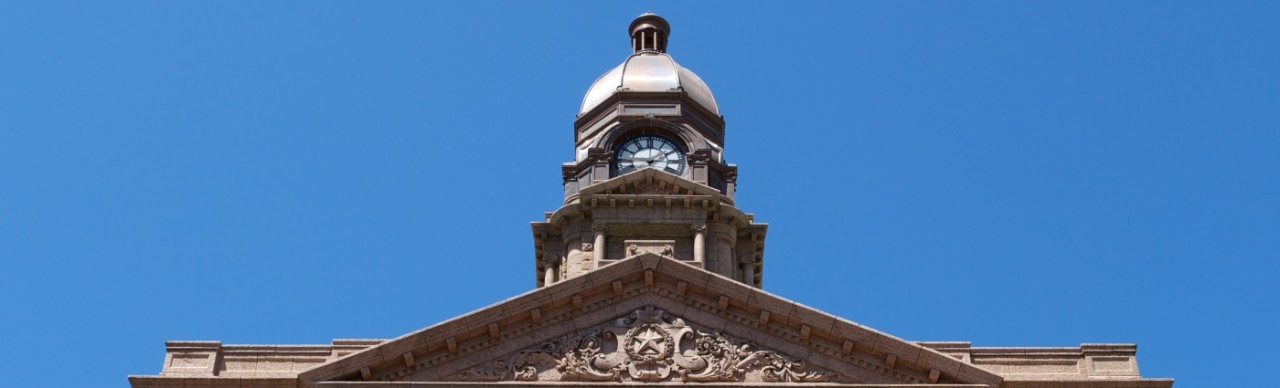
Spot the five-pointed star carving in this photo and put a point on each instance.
(649, 339)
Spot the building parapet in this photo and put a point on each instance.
(213, 359)
(1086, 362)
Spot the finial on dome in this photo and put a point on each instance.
(649, 34)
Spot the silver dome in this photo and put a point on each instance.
(649, 72)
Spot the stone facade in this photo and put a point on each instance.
(647, 274)
(647, 318)
(649, 210)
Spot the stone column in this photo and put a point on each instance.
(748, 263)
(571, 264)
(553, 258)
(700, 244)
(550, 276)
(597, 251)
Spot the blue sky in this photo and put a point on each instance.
(1007, 173)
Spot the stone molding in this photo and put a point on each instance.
(649, 199)
(856, 354)
(213, 359)
(653, 181)
(818, 339)
(647, 345)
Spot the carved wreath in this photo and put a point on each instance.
(648, 344)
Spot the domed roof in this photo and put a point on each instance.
(649, 69)
(649, 72)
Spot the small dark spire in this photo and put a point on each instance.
(649, 34)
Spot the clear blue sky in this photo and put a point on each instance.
(1007, 173)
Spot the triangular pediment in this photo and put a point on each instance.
(649, 181)
(649, 319)
(649, 344)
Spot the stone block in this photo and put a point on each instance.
(737, 292)
(393, 351)
(817, 320)
(779, 309)
(947, 365)
(971, 373)
(906, 351)
(864, 337)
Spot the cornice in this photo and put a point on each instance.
(610, 106)
(823, 340)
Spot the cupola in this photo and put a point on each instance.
(649, 69)
(649, 33)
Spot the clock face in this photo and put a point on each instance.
(648, 151)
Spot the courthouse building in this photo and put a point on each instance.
(649, 273)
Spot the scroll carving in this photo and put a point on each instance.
(519, 369)
(647, 345)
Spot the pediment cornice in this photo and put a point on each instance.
(707, 304)
(651, 181)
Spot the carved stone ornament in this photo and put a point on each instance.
(588, 247)
(664, 250)
(700, 157)
(568, 172)
(731, 175)
(599, 156)
(647, 345)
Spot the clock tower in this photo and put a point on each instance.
(648, 174)
(626, 295)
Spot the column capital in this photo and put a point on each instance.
(600, 228)
(551, 259)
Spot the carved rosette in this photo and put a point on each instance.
(647, 345)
